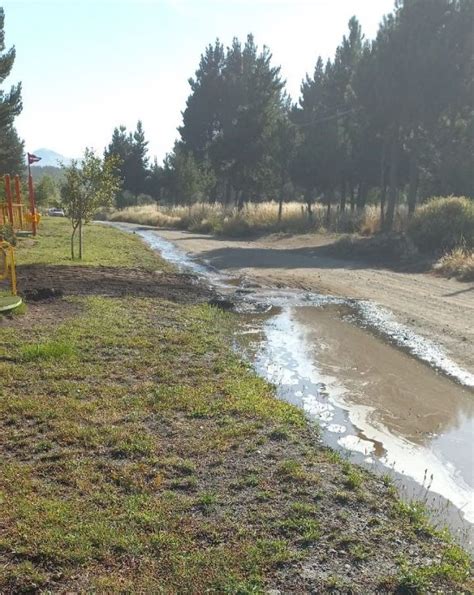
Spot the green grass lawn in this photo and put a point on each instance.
(102, 246)
(137, 453)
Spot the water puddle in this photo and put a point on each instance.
(389, 411)
(349, 364)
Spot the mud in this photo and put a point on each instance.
(70, 280)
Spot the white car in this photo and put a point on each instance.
(56, 212)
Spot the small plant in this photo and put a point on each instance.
(7, 234)
(353, 478)
(292, 470)
(206, 501)
(46, 351)
(279, 435)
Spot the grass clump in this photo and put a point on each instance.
(458, 263)
(49, 350)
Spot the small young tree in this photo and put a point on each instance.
(88, 186)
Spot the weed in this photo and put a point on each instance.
(353, 477)
(47, 351)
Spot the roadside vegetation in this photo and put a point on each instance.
(137, 453)
(443, 228)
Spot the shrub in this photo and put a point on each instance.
(7, 234)
(457, 263)
(443, 224)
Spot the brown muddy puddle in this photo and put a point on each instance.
(383, 407)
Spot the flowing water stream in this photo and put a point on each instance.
(388, 398)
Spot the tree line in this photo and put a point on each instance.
(385, 120)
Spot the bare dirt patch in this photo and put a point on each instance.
(39, 282)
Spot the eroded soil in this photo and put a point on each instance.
(39, 281)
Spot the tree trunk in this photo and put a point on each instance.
(228, 193)
(352, 193)
(383, 185)
(343, 196)
(328, 209)
(80, 240)
(240, 200)
(309, 201)
(393, 184)
(280, 207)
(361, 196)
(413, 184)
(383, 199)
(73, 235)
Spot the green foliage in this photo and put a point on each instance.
(130, 152)
(11, 147)
(232, 115)
(86, 188)
(443, 224)
(47, 191)
(10, 101)
(46, 351)
(380, 120)
(7, 234)
(185, 180)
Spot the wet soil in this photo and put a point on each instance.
(439, 309)
(48, 281)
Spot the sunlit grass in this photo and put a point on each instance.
(255, 218)
(103, 245)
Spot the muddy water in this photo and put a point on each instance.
(388, 410)
(350, 365)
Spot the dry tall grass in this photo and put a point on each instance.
(457, 263)
(252, 219)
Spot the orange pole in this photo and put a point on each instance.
(8, 192)
(31, 192)
(18, 200)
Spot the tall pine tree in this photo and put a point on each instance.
(11, 147)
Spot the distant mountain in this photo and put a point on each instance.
(50, 158)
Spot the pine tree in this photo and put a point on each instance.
(10, 101)
(235, 104)
(12, 155)
(11, 147)
(131, 150)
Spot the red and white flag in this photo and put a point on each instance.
(33, 158)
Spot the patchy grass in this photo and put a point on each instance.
(137, 453)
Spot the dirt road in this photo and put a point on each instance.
(437, 308)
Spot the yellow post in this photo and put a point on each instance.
(13, 270)
(10, 270)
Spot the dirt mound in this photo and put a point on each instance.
(41, 282)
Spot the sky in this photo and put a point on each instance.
(87, 66)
